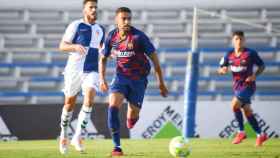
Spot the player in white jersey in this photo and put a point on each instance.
(82, 40)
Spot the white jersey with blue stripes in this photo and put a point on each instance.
(91, 36)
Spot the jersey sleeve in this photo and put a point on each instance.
(224, 60)
(101, 44)
(70, 32)
(257, 59)
(103, 35)
(107, 45)
(148, 47)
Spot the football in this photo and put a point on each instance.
(179, 147)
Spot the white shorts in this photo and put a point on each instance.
(75, 81)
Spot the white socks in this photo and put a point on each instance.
(65, 121)
(83, 118)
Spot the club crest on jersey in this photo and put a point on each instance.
(130, 45)
(97, 33)
(243, 62)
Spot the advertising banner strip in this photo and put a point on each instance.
(25, 122)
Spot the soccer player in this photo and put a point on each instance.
(82, 40)
(241, 61)
(131, 47)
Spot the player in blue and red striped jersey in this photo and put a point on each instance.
(131, 47)
(241, 61)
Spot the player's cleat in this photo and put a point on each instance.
(239, 138)
(63, 145)
(117, 152)
(131, 122)
(78, 144)
(261, 139)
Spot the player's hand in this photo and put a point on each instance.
(81, 49)
(163, 90)
(103, 86)
(250, 78)
(222, 70)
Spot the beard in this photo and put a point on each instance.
(126, 28)
(92, 16)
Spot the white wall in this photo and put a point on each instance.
(140, 3)
(213, 118)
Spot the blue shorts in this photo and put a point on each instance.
(244, 95)
(133, 90)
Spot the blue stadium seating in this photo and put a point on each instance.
(31, 66)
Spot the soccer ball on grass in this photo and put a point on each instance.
(179, 147)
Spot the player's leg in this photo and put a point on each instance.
(71, 88)
(135, 99)
(118, 91)
(83, 118)
(261, 137)
(66, 116)
(251, 118)
(236, 107)
(89, 86)
(115, 102)
(132, 115)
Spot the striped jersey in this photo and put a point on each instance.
(91, 36)
(242, 66)
(131, 53)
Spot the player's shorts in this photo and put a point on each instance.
(133, 90)
(74, 81)
(244, 95)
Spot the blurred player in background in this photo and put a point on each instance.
(82, 40)
(131, 47)
(241, 61)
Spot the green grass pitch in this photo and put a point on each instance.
(154, 148)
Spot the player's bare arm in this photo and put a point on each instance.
(222, 70)
(102, 71)
(69, 47)
(158, 73)
(253, 77)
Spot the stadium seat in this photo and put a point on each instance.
(31, 65)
